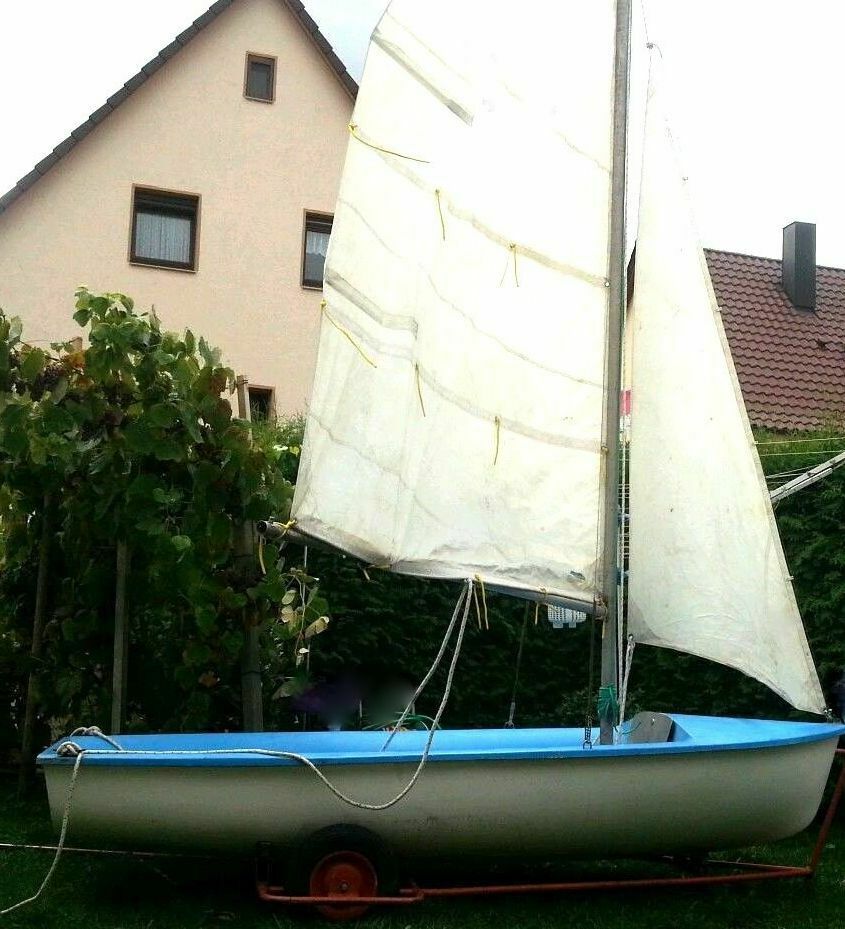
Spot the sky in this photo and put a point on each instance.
(754, 91)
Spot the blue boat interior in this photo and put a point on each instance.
(243, 749)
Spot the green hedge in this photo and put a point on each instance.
(390, 624)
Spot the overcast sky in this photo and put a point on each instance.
(756, 90)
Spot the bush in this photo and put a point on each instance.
(133, 440)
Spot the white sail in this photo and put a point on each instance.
(707, 572)
(454, 428)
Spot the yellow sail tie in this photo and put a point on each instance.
(353, 128)
(419, 387)
(440, 213)
(477, 607)
(512, 247)
(340, 329)
(483, 611)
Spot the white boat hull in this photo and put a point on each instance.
(595, 804)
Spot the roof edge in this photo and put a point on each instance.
(308, 25)
(724, 251)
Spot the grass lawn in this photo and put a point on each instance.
(88, 892)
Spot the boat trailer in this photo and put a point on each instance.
(344, 884)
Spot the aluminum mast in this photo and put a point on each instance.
(613, 366)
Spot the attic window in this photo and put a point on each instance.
(318, 230)
(164, 229)
(260, 80)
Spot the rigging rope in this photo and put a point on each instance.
(509, 723)
(807, 453)
(463, 600)
(588, 712)
(629, 654)
(821, 438)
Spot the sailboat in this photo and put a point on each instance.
(465, 427)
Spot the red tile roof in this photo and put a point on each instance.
(790, 362)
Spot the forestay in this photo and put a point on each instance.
(455, 422)
(707, 572)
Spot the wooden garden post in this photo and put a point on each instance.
(251, 687)
(28, 734)
(121, 640)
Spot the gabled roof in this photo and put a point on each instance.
(150, 68)
(790, 362)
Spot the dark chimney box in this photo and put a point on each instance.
(798, 270)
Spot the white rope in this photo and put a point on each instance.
(435, 664)
(61, 844)
(623, 699)
(302, 759)
(95, 731)
(821, 438)
(464, 598)
(73, 749)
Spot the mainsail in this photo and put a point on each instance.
(707, 572)
(454, 428)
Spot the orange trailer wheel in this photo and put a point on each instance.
(345, 875)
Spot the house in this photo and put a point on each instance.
(785, 323)
(205, 188)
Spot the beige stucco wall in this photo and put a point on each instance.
(257, 167)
